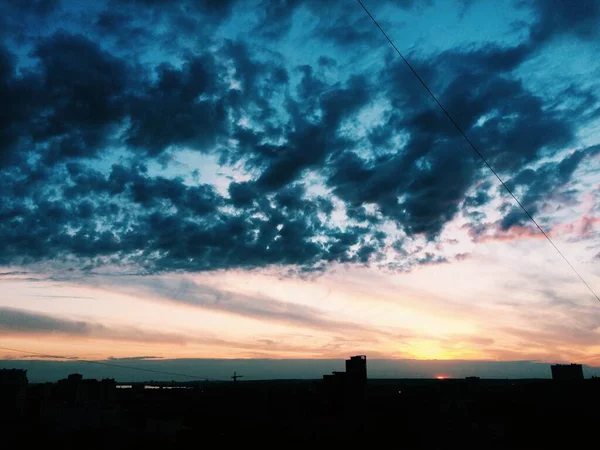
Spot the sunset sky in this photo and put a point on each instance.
(267, 179)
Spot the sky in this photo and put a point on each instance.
(267, 179)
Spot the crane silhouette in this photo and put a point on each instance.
(236, 376)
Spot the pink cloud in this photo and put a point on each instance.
(583, 227)
(462, 256)
(489, 232)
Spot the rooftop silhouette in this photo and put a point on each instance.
(342, 408)
(567, 372)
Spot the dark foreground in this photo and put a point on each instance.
(482, 414)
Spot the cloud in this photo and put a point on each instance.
(437, 166)
(254, 306)
(18, 321)
(562, 17)
(349, 32)
(486, 232)
(537, 183)
(67, 105)
(276, 18)
(167, 113)
(556, 336)
(86, 122)
(168, 225)
(507, 230)
(134, 358)
(36, 13)
(51, 357)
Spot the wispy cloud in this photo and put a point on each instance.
(53, 357)
(19, 321)
(13, 273)
(133, 358)
(183, 290)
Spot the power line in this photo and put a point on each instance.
(460, 130)
(119, 366)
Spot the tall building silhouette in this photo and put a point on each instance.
(13, 392)
(345, 391)
(356, 368)
(567, 372)
(77, 390)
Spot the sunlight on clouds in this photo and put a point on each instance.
(275, 184)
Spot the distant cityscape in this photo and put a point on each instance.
(77, 406)
(140, 370)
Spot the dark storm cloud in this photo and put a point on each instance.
(345, 34)
(127, 29)
(480, 198)
(16, 96)
(73, 101)
(163, 224)
(85, 87)
(309, 142)
(67, 105)
(560, 17)
(242, 194)
(64, 197)
(172, 112)
(276, 18)
(539, 186)
(276, 15)
(516, 125)
(422, 186)
(40, 7)
(421, 194)
(143, 28)
(219, 9)
(541, 183)
(18, 19)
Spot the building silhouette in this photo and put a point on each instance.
(356, 376)
(345, 392)
(356, 368)
(77, 390)
(13, 392)
(567, 372)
